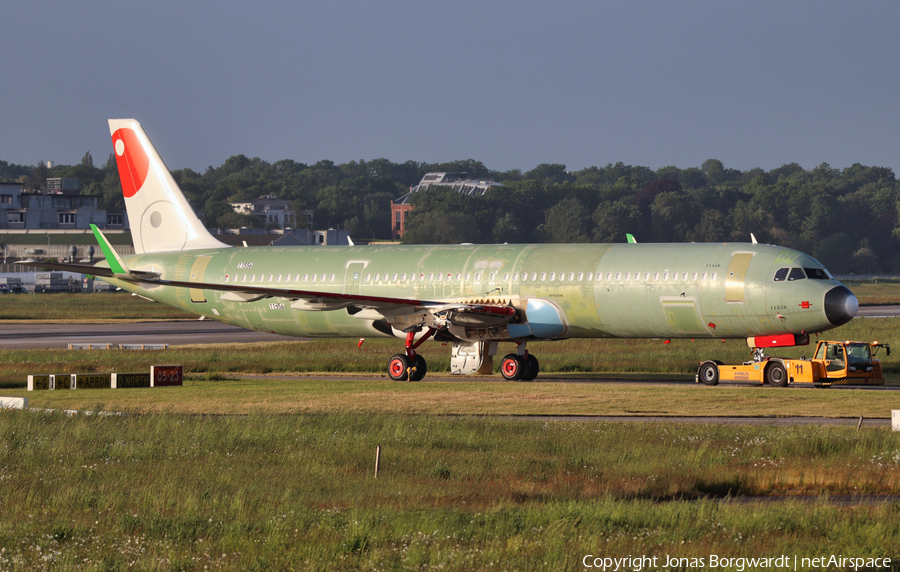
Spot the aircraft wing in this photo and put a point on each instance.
(404, 312)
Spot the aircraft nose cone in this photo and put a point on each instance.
(840, 305)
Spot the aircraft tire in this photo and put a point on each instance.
(532, 370)
(776, 375)
(708, 374)
(512, 367)
(421, 368)
(398, 367)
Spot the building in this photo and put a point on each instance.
(63, 209)
(458, 182)
(274, 211)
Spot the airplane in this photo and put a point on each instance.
(473, 297)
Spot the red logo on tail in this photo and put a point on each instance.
(132, 161)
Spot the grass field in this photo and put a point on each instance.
(297, 492)
(84, 308)
(276, 472)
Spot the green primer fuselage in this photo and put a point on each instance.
(601, 290)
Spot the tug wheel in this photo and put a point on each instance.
(776, 375)
(709, 373)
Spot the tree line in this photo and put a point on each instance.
(846, 218)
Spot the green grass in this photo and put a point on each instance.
(363, 394)
(875, 292)
(166, 492)
(85, 308)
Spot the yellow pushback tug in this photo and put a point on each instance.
(834, 363)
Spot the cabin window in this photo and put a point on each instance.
(580, 276)
(703, 276)
(296, 278)
(468, 276)
(478, 277)
(253, 278)
(628, 277)
(552, 276)
(572, 276)
(505, 276)
(543, 276)
(656, 276)
(618, 276)
(244, 278)
(394, 277)
(590, 276)
(694, 276)
(235, 278)
(431, 277)
(796, 274)
(458, 276)
(368, 277)
(781, 274)
(534, 276)
(515, 277)
(278, 278)
(332, 277)
(714, 275)
(270, 278)
(666, 277)
(684, 277)
(315, 277)
(493, 276)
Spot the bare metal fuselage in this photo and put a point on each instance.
(560, 291)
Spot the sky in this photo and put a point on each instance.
(511, 84)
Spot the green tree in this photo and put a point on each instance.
(567, 221)
(613, 219)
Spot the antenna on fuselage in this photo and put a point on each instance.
(753, 239)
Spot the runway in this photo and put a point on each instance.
(39, 336)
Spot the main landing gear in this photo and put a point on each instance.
(411, 366)
(519, 366)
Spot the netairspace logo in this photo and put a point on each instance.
(740, 564)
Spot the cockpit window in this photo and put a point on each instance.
(817, 274)
(796, 274)
(781, 274)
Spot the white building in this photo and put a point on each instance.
(271, 209)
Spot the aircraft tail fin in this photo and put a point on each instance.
(161, 218)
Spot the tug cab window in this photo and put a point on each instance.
(796, 274)
(859, 355)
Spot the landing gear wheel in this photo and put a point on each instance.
(420, 368)
(512, 367)
(709, 373)
(532, 370)
(397, 367)
(776, 375)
